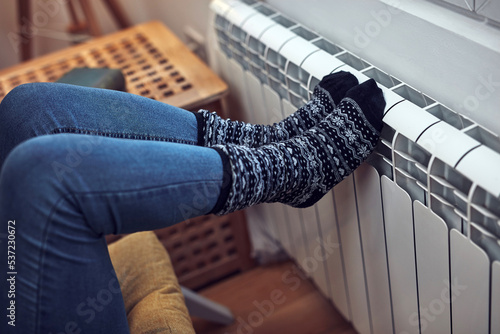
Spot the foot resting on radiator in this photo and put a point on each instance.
(212, 129)
(301, 170)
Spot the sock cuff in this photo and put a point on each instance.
(202, 126)
(227, 182)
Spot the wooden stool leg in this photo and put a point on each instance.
(23, 7)
(117, 11)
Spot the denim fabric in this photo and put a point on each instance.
(68, 189)
(36, 109)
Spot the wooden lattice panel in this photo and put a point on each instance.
(156, 64)
(207, 248)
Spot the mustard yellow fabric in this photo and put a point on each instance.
(153, 299)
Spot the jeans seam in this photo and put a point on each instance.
(41, 265)
(141, 189)
(121, 135)
(152, 188)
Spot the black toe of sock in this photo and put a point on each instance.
(338, 83)
(370, 99)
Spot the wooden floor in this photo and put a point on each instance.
(271, 300)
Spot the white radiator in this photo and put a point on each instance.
(410, 242)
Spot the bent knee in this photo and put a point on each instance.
(27, 102)
(34, 161)
(23, 114)
(19, 107)
(22, 96)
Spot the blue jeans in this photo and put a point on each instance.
(76, 164)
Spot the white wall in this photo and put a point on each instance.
(51, 17)
(452, 58)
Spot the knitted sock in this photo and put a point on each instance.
(299, 171)
(213, 130)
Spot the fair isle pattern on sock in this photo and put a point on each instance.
(214, 130)
(301, 170)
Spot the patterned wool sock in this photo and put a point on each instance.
(299, 171)
(213, 130)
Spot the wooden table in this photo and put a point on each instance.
(156, 64)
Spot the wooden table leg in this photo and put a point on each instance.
(23, 9)
(77, 26)
(94, 29)
(117, 11)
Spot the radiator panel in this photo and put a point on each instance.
(326, 243)
(296, 234)
(347, 219)
(279, 220)
(431, 241)
(423, 214)
(495, 298)
(335, 272)
(273, 104)
(371, 223)
(314, 264)
(470, 277)
(256, 99)
(401, 256)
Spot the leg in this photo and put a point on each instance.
(65, 192)
(301, 170)
(46, 108)
(327, 94)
